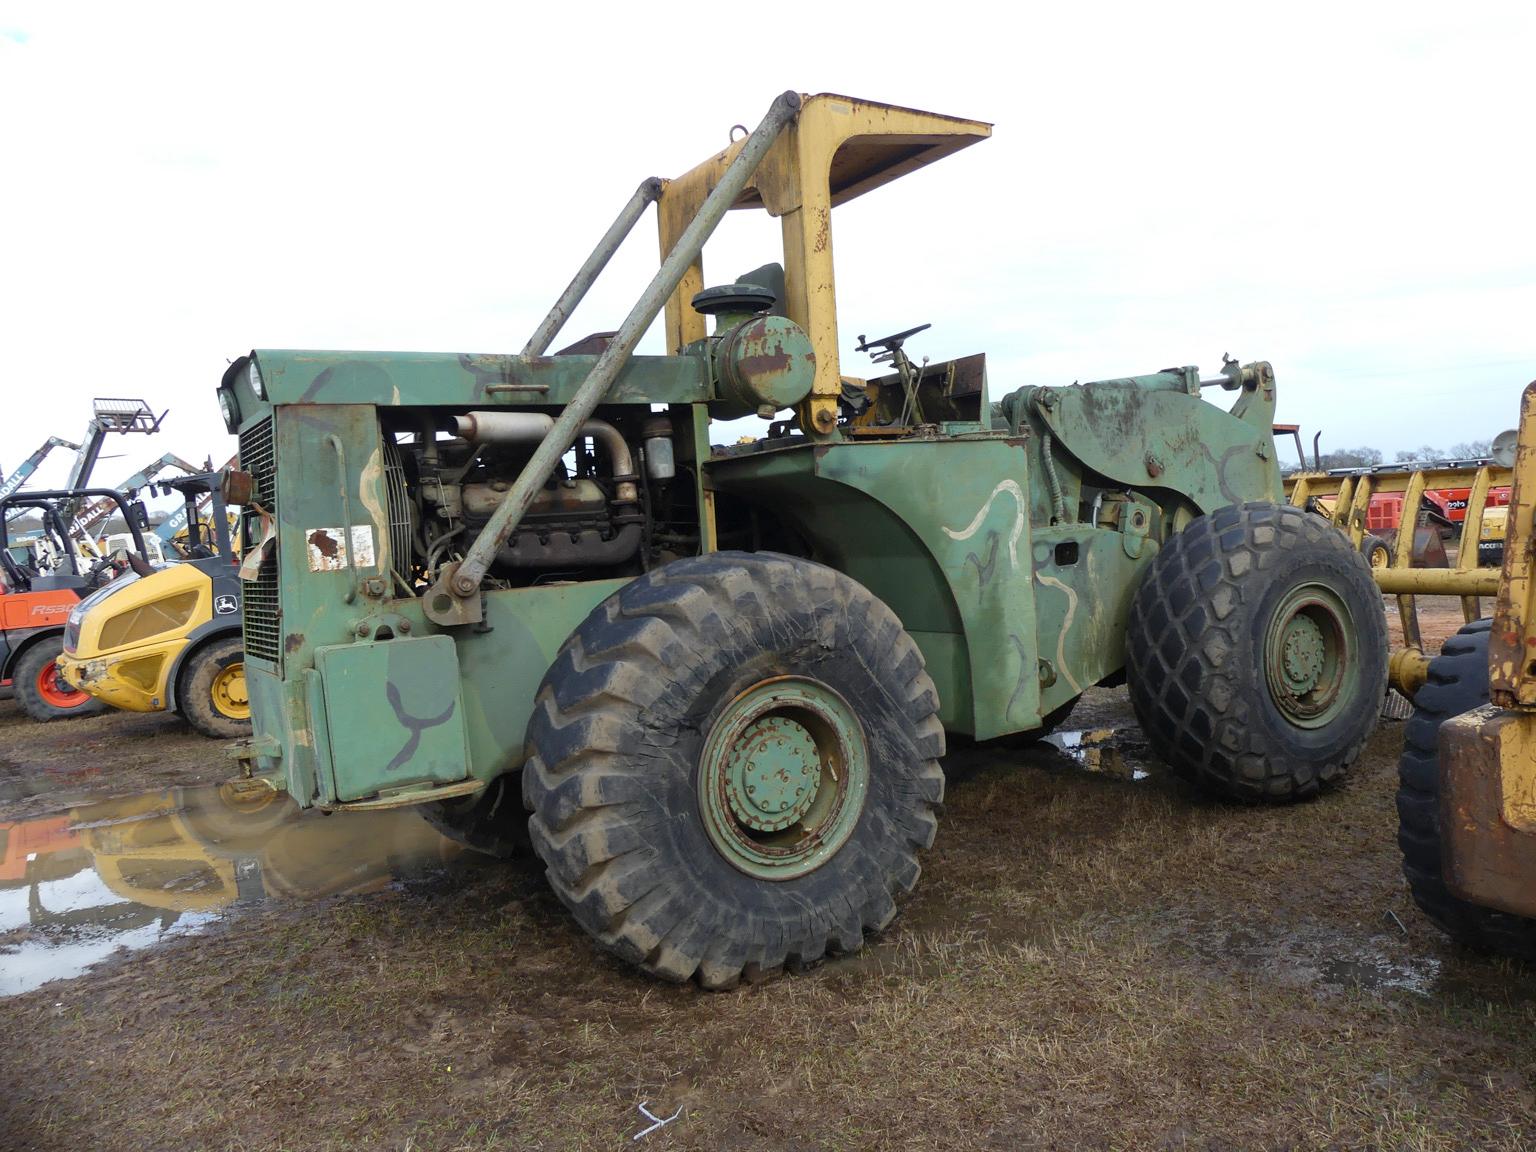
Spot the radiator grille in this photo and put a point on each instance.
(257, 458)
(260, 609)
(399, 509)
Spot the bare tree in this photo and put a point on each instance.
(1352, 458)
(1471, 450)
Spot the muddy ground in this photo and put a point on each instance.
(1096, 957)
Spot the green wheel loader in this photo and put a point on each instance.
(711, 685)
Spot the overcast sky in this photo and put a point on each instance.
(1344, 190)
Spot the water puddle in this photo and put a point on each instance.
(1317, 955)
(1122, 753)
(128, 873)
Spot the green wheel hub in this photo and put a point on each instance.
(772, 773)
(782, 777)
(1308, 652)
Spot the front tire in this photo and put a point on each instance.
(212, 697)
(1457, 683)
(1257, 653)
(734, 765)
(44, 694)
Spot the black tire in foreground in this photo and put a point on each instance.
(492, 821)
(42, 692)
(734, 764)
(1257, 653)
(1458, 682)
(212, 695)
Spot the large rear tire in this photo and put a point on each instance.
(1257, 653)
(1458, 682)
(44, 694)
(734, 765)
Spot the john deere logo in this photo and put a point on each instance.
(224, 605)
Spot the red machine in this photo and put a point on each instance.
(35, 602)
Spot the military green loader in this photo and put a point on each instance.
(719, 679)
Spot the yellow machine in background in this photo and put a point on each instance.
(1467, 791)
(199, 849)
(1345, 500)
(176, 857)
(170, 639)
(1490, 541)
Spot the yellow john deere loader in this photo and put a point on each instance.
(170, 638)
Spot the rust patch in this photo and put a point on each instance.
(293, 642)
(765, 364)
(1487, 860)
(324, 543)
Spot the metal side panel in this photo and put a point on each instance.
(393, 713)
(1488, 808)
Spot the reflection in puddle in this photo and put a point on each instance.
(1119, 752)
(1317, 955)
(128, 873)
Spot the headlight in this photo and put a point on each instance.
(253, 374)
(230, 407)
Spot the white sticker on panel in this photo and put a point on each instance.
(362, 546)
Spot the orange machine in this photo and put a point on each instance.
(35, 603)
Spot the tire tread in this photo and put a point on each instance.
(592, 752)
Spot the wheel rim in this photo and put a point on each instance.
(1380, 557)
(56, 691)
(782, 777)
(229, 694)
(1307, 656)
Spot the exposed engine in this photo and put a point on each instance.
(592, 517)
